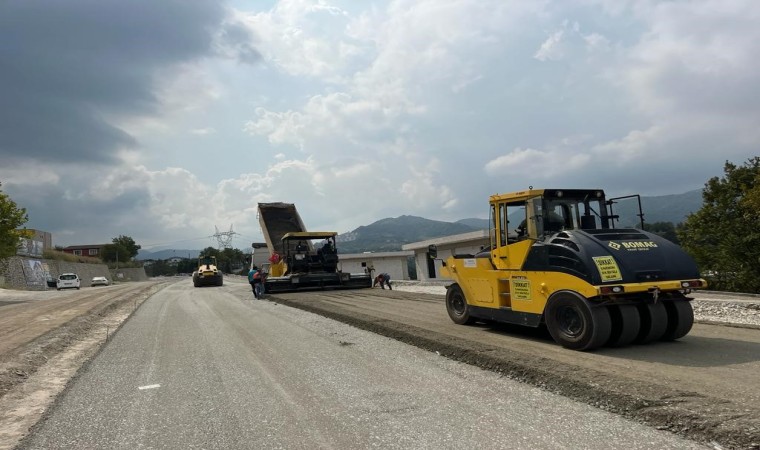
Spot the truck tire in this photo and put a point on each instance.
(680, 319)
(654, 322)
(625, 325)
(575, 323)
(457, 307)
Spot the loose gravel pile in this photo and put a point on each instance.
(728, 312)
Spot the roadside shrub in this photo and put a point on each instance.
(63, 256)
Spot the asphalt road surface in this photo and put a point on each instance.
(704, 386)
(213, 368)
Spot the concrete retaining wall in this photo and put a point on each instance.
(130, 274)
(19, 272)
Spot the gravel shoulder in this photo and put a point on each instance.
(721, 308)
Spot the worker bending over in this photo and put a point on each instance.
(383, 280)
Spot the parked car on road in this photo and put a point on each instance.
(100, 281)
(67, 281)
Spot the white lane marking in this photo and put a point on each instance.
(150, 386)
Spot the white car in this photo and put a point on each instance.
(67, 280)
(100, 281)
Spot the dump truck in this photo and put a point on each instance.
(556, 259)
(207, 273)
(300, 259)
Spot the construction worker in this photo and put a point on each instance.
(256, 280)
(384, 280)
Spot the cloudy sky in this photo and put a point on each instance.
(163, 119)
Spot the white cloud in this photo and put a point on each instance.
(568, 42)
(596, 42)
(203, 131)
(28, 173)
(636, 145)
(552, 48)
(303, 37)
(540, 164)
(420, 191)
(333, 123)
(691, 62)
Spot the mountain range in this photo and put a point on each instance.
(391, 233)
(143, 254)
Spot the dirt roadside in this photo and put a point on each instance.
(46, 337)
(651, 384)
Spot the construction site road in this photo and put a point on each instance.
(706, 386)
(213, 368)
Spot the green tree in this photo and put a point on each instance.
(227, 260)
(122, 249)
(664, 229)
(11, 217)
(209, 251)
(160, 268)
(723, 236)
(128, 244)
(187, 265)
(233, 260)
(114, 253)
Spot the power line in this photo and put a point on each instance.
(174, 242)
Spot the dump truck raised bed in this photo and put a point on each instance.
(555, 258)
(207, 273)
(276, 220)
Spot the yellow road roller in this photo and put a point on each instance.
(557, 258)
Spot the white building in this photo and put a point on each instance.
(466, 243)
(260, 254)
(393, 263)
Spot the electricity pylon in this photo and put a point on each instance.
(224, 238)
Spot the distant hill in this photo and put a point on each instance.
(389, 234)
(475, 223)
(665, 208)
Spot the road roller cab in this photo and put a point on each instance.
(556, 258)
